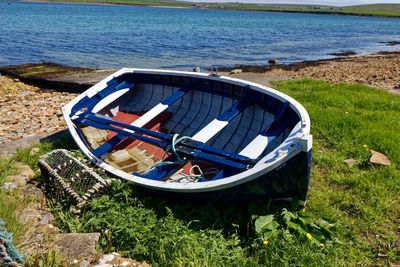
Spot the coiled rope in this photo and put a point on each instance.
(9, 256)
(182, 161)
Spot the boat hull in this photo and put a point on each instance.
(236, 121)
(288, 181)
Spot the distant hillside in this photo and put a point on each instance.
(376, 10)
(385, 10)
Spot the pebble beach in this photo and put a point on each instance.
(27, 110)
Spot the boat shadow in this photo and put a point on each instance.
(199, 214)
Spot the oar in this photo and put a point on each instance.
(188, 148)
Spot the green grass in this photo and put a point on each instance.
(12, 203)
(6, 168)
(361, 205)
(365, 199)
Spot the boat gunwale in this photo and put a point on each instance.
(298, 140)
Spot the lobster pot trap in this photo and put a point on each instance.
(64, 175)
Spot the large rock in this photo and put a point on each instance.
(76, 245)
(379, 159)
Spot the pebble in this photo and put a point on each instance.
(9, 186)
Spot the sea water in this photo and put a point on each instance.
(113, 36)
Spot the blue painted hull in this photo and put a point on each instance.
(289, 180)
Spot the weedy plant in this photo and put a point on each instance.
(291, 225)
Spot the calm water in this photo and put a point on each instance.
(104, 36)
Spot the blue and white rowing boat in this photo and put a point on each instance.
(195, 135)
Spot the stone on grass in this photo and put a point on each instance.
(46, 218)
(79, 246)
(24, 170)
(379, 159)
(9, 186)
(350, 162)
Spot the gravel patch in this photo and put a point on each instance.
(27, 110)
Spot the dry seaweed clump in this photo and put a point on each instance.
(11, 87)
(27, 110)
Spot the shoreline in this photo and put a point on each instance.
(348, 56)
(31, 95)
(222, 7)
(77, 79)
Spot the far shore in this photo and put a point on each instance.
(360, 10)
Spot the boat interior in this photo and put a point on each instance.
(225, 122)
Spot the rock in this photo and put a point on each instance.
(24, 170)
(29, 215)
(9, 186)
(106, 258)
(379, 159)
(31, 190)
(273, 62)
(25, 94)
(76, 245)
(115, 259)
(34, 151)
(350, 162)
(46, 218)
(19, 180)
(235, 71)
(397, 86)
(84, 263)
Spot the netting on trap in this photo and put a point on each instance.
(65, 174)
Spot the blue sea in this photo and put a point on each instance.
(112, 36)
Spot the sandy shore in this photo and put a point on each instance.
(27, 110)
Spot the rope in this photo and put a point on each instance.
(8, 253)
(181, 161)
